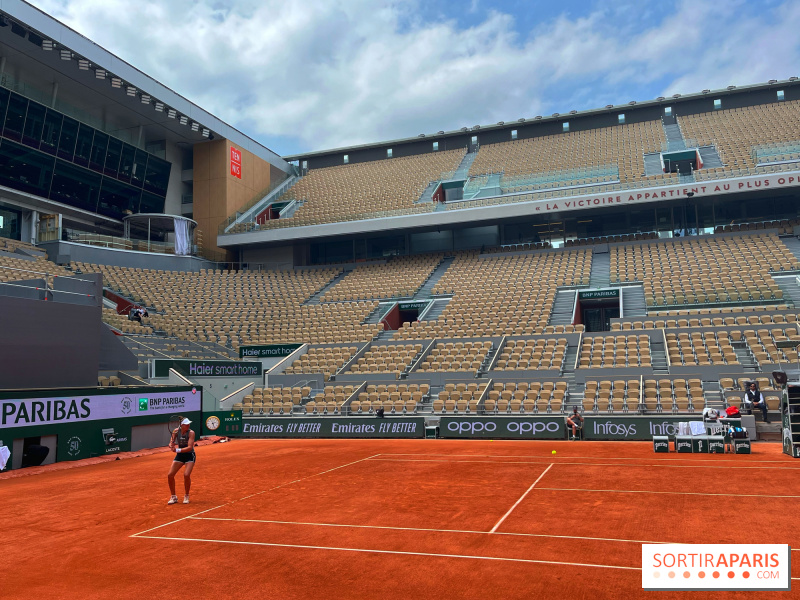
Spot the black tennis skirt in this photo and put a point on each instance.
(185, 457)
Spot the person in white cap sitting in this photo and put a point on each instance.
(182, 443)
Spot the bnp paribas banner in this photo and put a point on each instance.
(516, 427)
(632, 428)
(341, 427)
(81, 405)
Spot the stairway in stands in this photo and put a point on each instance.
(563, 308)
(710, 158)
(790, 287)
(426, 291)
(746, 359)
(674, 136)
(574, 390)
(601, 267)
(463, 168)
(633, 302)
(316, 297)
(376, 315)
(439, 304)
(428, 193)
(658, 357)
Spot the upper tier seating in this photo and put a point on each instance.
(621, 145)
(735, 131)
(367, 190)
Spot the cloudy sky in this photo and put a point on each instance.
(314, 74)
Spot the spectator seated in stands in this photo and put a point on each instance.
(575, 421)
(134, 315)
(753, 398)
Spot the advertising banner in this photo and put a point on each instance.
(207, 368)
(236, 163)
(632, 428)
(267, 350)
(517, 427)
(222, 423)
(343, 427)
(88, 405)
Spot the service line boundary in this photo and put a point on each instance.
(395, 552)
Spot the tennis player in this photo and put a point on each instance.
(182, 443)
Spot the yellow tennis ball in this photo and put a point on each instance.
(554, 451)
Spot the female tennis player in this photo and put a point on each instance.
(182, 443)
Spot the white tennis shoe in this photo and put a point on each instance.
(173, 500)
(185, 499)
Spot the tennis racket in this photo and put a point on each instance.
(174, 423)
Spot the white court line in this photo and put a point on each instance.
(521, 498)
(544, 462)
(256, 494)
(536, 535)
(714, 460)
(400, 552)
(665, 492)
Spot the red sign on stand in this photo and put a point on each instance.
(236, 162)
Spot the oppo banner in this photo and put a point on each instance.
(632, 428)
(88, 405)
(342, 427)
(516, 427)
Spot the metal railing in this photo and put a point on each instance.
(246, 213)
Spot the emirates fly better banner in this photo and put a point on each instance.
(80, 408)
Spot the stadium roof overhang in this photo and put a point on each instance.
(674, 100)
(39, 42)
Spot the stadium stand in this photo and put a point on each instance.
(735, 132)
(532, 354)
(615, 351)
(501, 295)
(456, 356)
(399, 278)
(392, 358)
(622, 146)
(527, 397)
(686, 271)
(327, 360)
(364, 190)
(393, 398)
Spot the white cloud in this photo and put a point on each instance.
(321, 74)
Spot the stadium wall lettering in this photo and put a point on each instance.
(710, 188)
(355, 427)
(517, 427)
(207, 368)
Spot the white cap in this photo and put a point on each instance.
(186, 422)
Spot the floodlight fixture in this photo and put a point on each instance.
(83, 64)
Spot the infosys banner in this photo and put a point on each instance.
(355, 427)
(632, 428)
(207, 368)
(87, 405)
(517, 427)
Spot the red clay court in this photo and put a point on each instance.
(386, 519)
